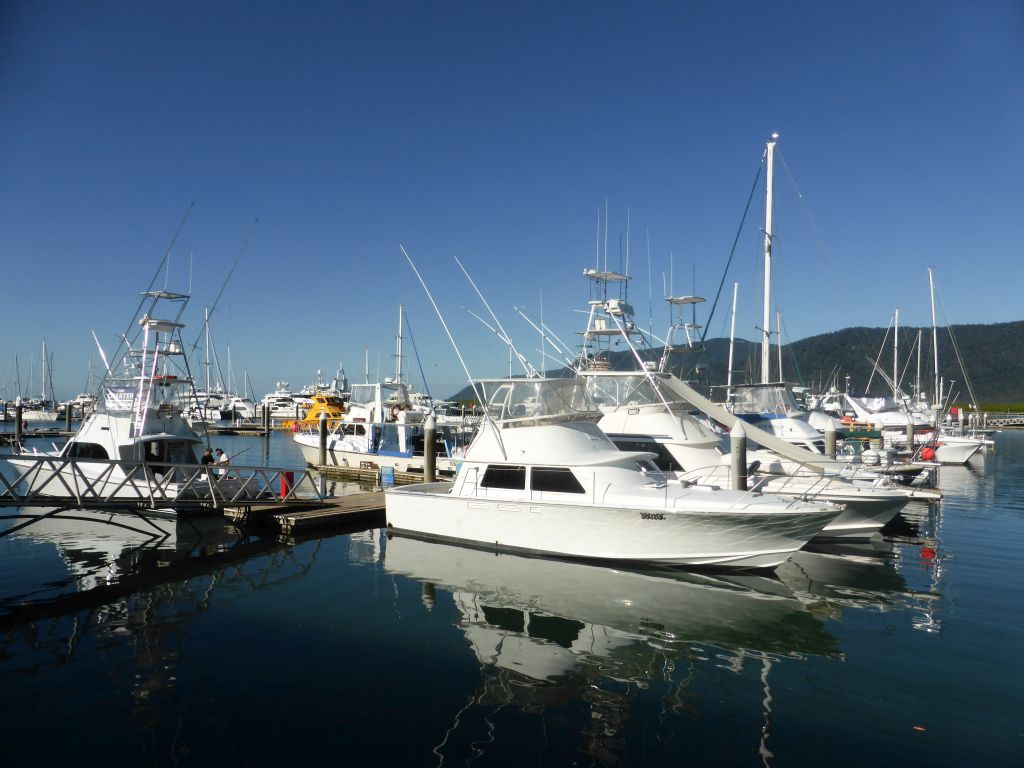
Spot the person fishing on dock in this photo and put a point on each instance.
(207, 457)
(222, 461)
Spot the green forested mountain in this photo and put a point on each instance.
(992, 355)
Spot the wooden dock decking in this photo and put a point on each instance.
(370, 473)
(365, 508)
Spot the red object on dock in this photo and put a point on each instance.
(287, 480)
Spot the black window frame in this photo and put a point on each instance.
(504, 476)
(555, 480)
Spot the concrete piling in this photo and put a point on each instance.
(830, 439)
(429, 449)
(738, 445)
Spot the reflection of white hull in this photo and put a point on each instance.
(738, 612)
(624, 530)
(336, 457)
(96, 544)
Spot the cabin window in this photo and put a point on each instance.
(557, 479)
(504, 476)
(88, 451)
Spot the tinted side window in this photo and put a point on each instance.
(87, 451)
(560, 479)
(504, 476)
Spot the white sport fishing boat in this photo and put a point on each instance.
(136, 445)
(541, 477)
(645, 411)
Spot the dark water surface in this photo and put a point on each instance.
(211, 648)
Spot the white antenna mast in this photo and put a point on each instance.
(626, 270)
(398, 351)
(543, 346)
(606, 234)
(650, 290)
(732, 340)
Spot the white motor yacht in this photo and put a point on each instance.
(136, 444)
(541, 477)
(646, 411)
(283, 403)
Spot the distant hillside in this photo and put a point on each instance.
(993, 356)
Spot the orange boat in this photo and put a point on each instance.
(332, 405)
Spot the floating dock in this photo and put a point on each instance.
(363, 508)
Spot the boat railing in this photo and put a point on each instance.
(46, 479)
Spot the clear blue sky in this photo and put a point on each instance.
(494, 133)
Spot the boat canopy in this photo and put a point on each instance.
(763, 398)
(612, 389)
(529, 402)
(875, 403)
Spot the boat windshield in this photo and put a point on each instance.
(764, 399)
(526, 402)
(875, 404)
(366, 394)
(614, 390)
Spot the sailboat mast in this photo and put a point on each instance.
(895, 354)
(206, 326)
(935, 339)
(766, 320)
(917, 375)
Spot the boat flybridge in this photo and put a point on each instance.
(136, 444)
(540, 477)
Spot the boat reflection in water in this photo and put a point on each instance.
(547, 632)
(119, 589)
(101, 548)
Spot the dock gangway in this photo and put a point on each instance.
(44, 480)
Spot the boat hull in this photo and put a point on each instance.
(865, 510)
(737, 538)
(951, 450)
(337, 457)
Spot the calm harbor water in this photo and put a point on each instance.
(213, 648)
